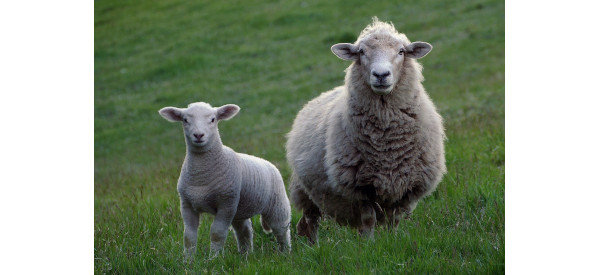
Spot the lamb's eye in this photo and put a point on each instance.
(361, 52)
(401, 52)
(212, 120)
(185, 120)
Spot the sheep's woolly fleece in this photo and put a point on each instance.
(350, 146)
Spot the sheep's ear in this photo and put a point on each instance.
(417, 49)
(226, 112)
(171, 114)
(345, 51)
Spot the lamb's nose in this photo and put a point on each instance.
(381, 75)
(198, 136)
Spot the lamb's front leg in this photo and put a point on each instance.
(190, 231)
(219, 229)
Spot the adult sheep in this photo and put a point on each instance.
(369, 150)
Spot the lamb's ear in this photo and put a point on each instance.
(417, 49)
(172, 114)
(345, 51)
(226, 112)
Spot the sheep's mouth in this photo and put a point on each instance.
(198, 141)
(381, 89)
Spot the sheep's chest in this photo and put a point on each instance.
(390, 154)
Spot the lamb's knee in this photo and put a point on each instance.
(189, 240)
(218, 234)
(216, 237)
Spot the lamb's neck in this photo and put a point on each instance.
(202, 165)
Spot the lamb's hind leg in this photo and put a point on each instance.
(277, 219)
(282, 234)
(368, 220)
(243, 234)
(311, 215)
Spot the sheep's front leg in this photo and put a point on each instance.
(308, 225)
(368, 219)
(219, 230)
(393, 218)
(243, 234)
(190, 231)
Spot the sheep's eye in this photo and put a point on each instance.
(212, 120)
(361, 52)
(185, 120)
(401, 52)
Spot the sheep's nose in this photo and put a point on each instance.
(381, 75)
(198, 136)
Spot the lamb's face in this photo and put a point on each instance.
(199, 124)
(380, 57)
(200, 121)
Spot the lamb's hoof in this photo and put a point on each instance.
(188, 260)
(214, 253)
(188, 255)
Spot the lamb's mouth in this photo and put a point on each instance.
(198, 141)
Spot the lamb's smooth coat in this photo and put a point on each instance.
(369, 150)
(231, 186)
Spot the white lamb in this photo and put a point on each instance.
(367, 151)
(231, 186)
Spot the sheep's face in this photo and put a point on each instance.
(380, 57)
(200, 121)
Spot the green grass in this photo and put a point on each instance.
(270, 58)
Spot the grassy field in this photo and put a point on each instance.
(270, 58)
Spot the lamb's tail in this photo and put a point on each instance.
(265, 226)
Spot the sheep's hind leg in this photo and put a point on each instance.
(368, 219)
(309, 223)
(243, 234)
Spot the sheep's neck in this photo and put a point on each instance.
(383, 108)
